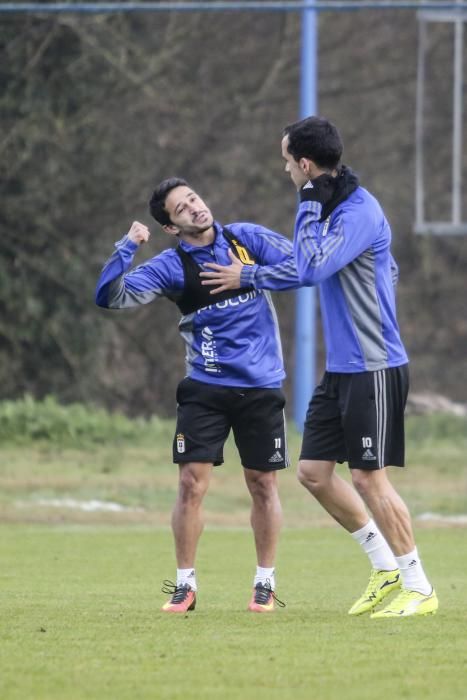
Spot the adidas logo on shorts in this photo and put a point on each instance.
(276, 457)
(368, 455)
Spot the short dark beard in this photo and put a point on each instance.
(200, 231)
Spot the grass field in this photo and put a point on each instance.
(140, 477)
(79, 612)
(80, 589)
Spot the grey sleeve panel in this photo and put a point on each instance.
(394, 272)
(358, 280)
(122, 298)
(186, 331)
(267, 296)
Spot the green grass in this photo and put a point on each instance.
(80, 619)
(80, 592)
(28, 420)
(141, 476)
(50, 451)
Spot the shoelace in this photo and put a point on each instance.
(178, 593)
(262, 593)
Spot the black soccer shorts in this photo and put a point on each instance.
(207, 412)
(358, 418)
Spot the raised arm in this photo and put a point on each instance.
(118, 289)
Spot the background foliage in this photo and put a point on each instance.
(97, 109)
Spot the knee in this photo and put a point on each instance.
(263, 486)
(192, 487)
(311, 477)
(362, 482)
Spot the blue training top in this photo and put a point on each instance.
(234, 342)
(348, 256)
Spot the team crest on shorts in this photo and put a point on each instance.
(180, 443)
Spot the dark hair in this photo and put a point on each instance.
(157, 201)
(317, 139)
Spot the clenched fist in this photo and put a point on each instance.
(138, 233)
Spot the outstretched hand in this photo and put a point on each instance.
(226, 276)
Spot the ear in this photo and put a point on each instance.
(310, 168)
(171, 230)
(305, 164)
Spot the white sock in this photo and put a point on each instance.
(265, 574)
(375, 546)
(413, 576)
(186, 576)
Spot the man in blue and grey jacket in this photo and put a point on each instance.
(342, 244)
(218, 277)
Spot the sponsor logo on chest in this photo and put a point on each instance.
(233, 302)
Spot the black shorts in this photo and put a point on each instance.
(207, 412)
(358, 418)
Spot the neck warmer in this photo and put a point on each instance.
(346, 183)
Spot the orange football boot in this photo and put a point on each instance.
(183, 597)
(263, 598)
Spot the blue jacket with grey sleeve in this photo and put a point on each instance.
(345, 249)
(232, 342)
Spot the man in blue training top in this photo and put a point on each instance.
(234, 366)
(342, 243)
